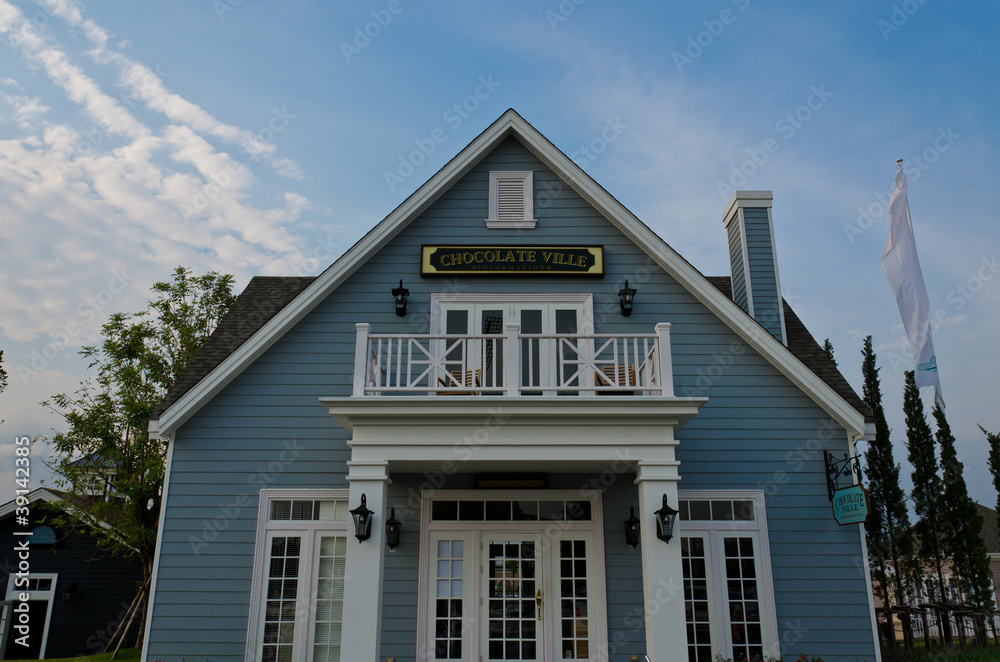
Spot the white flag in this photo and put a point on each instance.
(902, 268)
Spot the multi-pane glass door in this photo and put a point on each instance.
(512, 597)
(542, 359)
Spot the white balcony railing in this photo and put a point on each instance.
(513, 363)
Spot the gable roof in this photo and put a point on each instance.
(201, 385)
(37, 494)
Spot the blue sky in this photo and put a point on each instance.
(265, 138)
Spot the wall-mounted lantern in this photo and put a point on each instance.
(665, 518)
(362, 520)
(399, 294)
(392, 527)
(632, 529)
(69, 592)
(626, 297)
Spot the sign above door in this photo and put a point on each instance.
(535, 260)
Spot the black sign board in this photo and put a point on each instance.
(537, 260)
(498, 481)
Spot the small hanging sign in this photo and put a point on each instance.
(850, 505)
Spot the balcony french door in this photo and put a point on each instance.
(541, 358)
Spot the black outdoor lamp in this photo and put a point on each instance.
(392, 527)
(399, 294)
(68, 593)
(632, 529)
(665, 518)
(626, 296)
(362, 520)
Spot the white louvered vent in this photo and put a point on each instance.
(511, 204)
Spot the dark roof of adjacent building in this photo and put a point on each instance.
(262, 299)
(265, 296)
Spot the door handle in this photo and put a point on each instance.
(538, 603)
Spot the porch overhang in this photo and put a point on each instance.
(502, 433)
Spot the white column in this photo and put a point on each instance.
(362, 622)
(662, 572)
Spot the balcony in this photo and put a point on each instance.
(513, 364)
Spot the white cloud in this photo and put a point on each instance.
(288, 169)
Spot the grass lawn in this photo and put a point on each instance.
(123, 654)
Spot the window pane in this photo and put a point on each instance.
(444, 511)
(279, 617)
(722, 511)
(697, 614)
(470, 511)
(700, 510)
(448, 626)
(281, 510)
(329, 607)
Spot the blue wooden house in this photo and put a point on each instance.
(511, 423)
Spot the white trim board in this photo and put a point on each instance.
(510, 123)
(39, 493)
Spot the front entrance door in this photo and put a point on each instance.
(535, 596)
(514, 580)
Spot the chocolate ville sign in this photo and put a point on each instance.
(538, 260)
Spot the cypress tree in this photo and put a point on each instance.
(927, 492)
(994, 458)
(963, 539)
(828, 348)
(890, 540)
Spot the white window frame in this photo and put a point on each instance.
(49, 595)
(715, 531)
(527, 219)
(310, 532)
(472, 533)
(524, 300)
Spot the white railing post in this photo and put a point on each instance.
(511, 359)
(361, 359)
(665, 369)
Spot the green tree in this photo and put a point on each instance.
(889, 536)
(994, 460)
(927, 491)
(106, 443)
(963, 539)
(828, 348)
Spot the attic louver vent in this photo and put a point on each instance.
(511, 205)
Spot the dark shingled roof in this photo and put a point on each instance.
(265, 296)
(806, 349)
